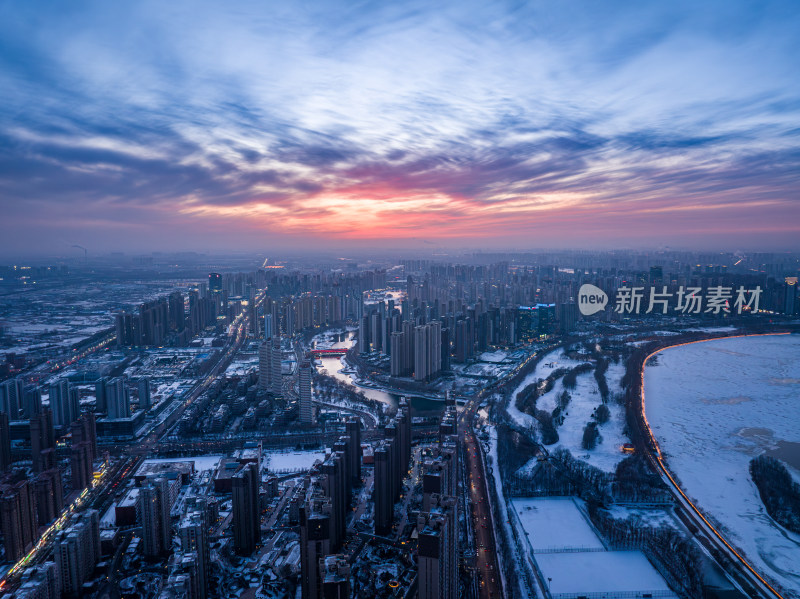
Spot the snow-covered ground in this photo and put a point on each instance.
(554, 523)
(201, 463)
(585, 398)
(573, 559)
(654, 518)
(493, 356)
(601, 574)
(549, 362)
(493, 472)
(291, 460)
(715, 405)
(242, 366)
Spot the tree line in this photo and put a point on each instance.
(779, 493)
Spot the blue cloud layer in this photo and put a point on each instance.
(152, 117)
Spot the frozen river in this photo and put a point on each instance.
(713, 406)
(334, 365)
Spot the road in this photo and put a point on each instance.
(239, 333)
(750, 580)
(45, 368)
(480, 508)
(478, 492)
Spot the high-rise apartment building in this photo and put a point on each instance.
(215, 282)
(117, 399)
(76, 551)
(268, 330)
(193, 532)
(306, 406)
(64, 402)
(145, 401)
(246, 515)
(354, 434)
(5, 442)
(11, 397)
(154, 510)
(18, 518)
(265, 365)
(382, 492)
(437, 550)
(427, 351)
(43, 441)
(31, 401)
(315, 544)
(276, 381)
(49, 491)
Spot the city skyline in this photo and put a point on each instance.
(145, 127)
(441, 427)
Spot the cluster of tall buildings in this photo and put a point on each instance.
(425, 334)
(17, 398)
(419, 350)
(299, 301)
(149, 326)
(76, 553)
(437, 521)
(191, 565)
(113, 398)
(31, 501)
(323, 517)
(64, 402)
(392, 456)
(182, 541)
(291, 314)
(18, 517)
(165, 321)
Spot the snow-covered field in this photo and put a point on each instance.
(550, 362)
(601, 573)
(585, 398)
(715, 405)
(494, 356)
(555, 523)
(572, 557)
(292, 460)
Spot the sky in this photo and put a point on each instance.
(191, 125)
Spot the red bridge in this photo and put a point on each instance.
(317, 353)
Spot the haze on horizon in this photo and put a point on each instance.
(152, 126)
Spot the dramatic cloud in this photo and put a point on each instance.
(156, 125)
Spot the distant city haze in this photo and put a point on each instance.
(193, 126)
